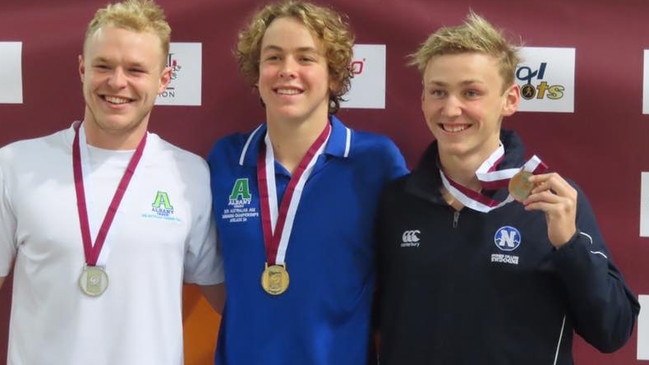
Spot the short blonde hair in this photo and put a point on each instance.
(324, 24)
(135, 15)
(475, 35)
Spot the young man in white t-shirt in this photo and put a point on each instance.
(102, 223)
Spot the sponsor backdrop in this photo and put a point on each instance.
(584, 81)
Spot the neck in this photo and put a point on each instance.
(462, 168)
(463, 176)
(291, 141)
(113, 139)
(450, 200)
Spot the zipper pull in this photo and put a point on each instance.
(456, 217)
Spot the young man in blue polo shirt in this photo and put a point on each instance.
(295, 200)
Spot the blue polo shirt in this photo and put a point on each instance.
(324, 316)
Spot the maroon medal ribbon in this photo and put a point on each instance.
(273, 238)
(92, 251)
(491, 179)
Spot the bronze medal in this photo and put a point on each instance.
(274, 279)
(520, 186)
(93, 280)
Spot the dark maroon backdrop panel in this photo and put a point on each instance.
(602, 145)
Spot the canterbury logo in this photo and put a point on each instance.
(411, 236)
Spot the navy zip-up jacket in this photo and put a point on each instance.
(465, 287)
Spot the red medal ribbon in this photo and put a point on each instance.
(273, 236)
(92, 251)
(490, 179)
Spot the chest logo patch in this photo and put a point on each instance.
(410, 238)
(240, 194)
(162, 205)
(507, 238)
(239, 207)
(161, 208)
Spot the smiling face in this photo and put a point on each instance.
(293, 76)
(464, 101)
(122, 73)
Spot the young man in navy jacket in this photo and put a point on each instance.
(467, 274)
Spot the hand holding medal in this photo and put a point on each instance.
(520, 186)
(553, 195)
(528, 185)
(491, 178)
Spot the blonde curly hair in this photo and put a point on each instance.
(135, 15)
(324, 24)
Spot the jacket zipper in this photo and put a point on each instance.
(456, 217)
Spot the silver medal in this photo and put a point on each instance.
(93, 280)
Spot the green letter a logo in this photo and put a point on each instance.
(240, 191)
(162, 199)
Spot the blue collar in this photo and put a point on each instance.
(338, 145)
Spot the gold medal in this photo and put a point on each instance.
(93, 280)
(520, 186)
(274, 279)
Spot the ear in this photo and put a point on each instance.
(165, 79)
(512, 99)
(334, 86)
(82, 68)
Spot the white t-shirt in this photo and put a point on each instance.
(163, 235)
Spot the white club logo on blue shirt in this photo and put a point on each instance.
(507, 238)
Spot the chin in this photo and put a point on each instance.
(453, 148)
(121, 124)
(289, 114)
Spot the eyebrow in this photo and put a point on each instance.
(129, 63)
(463, 83)
(278, 48)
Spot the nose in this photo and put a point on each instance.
(117, 78)
(452, 107)
(288, 68)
